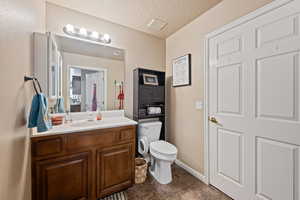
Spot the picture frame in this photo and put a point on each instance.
(150, 79)
(182, 74)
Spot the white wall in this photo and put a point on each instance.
(185, 123)
(141, 50)
(18, 19)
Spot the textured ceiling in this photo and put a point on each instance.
(137, 14)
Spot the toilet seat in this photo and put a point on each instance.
(143, 145)
(163, 150)
(162, 154)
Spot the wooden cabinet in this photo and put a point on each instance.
(64, 178)
(114, 169)
(83, 166)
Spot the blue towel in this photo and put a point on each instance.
(39, 113)
(59, 106)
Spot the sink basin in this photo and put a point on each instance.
(86, 123)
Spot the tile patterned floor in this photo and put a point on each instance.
(183, 187)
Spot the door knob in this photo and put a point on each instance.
(213, 120)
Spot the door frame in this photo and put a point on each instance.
(99, 69)
(242, 20)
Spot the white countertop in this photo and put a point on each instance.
(86, 125)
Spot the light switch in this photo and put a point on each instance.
(199, 105)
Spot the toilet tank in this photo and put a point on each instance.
(150, 129)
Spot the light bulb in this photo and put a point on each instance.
(106, 38)
(70, 28)
(83, 32)
(95, 35)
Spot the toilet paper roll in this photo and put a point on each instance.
(154, 110)
(143, 145)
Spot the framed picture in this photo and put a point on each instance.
(182, 71)
(150, 79)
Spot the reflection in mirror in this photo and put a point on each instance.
(88, 76)
(87, 89)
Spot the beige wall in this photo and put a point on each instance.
(142, 50)
(18, 19)
(185, 123)
(115, 71)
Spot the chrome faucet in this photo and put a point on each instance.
(91, 116)
(68, 117)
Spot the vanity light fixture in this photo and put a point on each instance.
(83, 32)
(106, 38)
(69, 28)
(86, 34)
(95, 35)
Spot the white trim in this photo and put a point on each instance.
(191, 171)
(206, 111)
(259, 12)
(52, 43)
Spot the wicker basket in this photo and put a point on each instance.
(140, 170)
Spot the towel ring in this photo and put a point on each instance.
(33, 79)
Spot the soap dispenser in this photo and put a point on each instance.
(99, 115)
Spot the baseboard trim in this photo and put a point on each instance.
(191, 171)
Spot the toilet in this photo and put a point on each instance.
(162, 154)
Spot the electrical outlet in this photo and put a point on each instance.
(199, 105)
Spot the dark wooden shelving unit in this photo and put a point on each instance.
(148, 95)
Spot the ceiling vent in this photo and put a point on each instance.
(157, 24)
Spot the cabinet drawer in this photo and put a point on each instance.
(90, 139)
(126, 134)
(47, 146)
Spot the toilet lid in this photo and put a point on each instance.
(162, 147)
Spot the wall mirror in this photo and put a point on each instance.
(87, 76)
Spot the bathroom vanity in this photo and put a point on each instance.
(83, 160)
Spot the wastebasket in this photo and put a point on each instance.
(140, 170)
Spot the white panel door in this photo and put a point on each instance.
(254, 94)
(228, 70)
(98, 80)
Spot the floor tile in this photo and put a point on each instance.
(183, 187)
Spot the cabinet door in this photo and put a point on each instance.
(115, 169)
(65, 178)
(151, 94)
